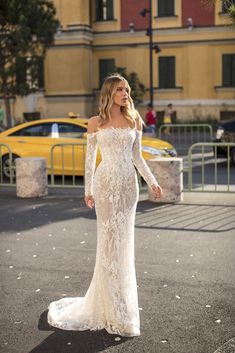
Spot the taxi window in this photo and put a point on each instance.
(39, 130)
(71, 130)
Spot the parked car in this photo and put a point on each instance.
(226, 133)
(36, 138)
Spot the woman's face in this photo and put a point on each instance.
(121, 95)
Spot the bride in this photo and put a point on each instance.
(111, 300)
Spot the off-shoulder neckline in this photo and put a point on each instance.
(113, 128)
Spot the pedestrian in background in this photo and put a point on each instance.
(168, 114)
(150, 119)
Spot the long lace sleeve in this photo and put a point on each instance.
(140, 163)
(90, 163)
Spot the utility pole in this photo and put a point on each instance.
(150, 34)
(150, 30)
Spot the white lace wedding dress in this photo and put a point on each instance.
(111, 301)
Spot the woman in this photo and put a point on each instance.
(111, 301)
(168, 119)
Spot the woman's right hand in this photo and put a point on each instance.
(157, 191)
(89, 201)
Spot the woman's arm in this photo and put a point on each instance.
(141, 165)
(90, 161)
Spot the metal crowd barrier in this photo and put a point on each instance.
(5, 150)
(213, 174)
(205, 172)
(182, 136)
(72, 180)
(63, 179)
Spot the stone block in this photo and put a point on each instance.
(31, 177)
(169, 174)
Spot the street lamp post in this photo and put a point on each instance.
(150, 34)
(150, 53)
(151, 47)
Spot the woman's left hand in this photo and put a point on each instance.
(157, 191)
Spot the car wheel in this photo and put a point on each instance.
(7, 164)
(233, 156)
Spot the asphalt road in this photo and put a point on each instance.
(184, 263)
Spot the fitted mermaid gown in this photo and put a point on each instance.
(111, 300)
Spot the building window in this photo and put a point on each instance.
(106, 67)
(21, 71)
(228, 70)
(226, 4)
(40, 73)
(104, 10)
(30, 73)
(166, 8)
(227, 115)
(166, 72)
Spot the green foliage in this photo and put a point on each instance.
(137, 88)
(231, 13)
(27, 29)
(229, 5)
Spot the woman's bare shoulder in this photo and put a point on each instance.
(93, 124)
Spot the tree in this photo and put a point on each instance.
(227, 5)
(27, 29)
(230, 9)
(137, 88)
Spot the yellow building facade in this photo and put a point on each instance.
(74, 66)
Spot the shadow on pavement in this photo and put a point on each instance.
(74, 341)
(17, 214)
(25, 214)
(186, 217)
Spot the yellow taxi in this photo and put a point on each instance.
(62, 142)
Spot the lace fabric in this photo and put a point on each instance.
(111, 301)
(90, 163)
(138, 160)
(140, 163)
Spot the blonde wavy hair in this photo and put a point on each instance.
(107, 93)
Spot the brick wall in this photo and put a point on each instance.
(201, 14)
(130, 12)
